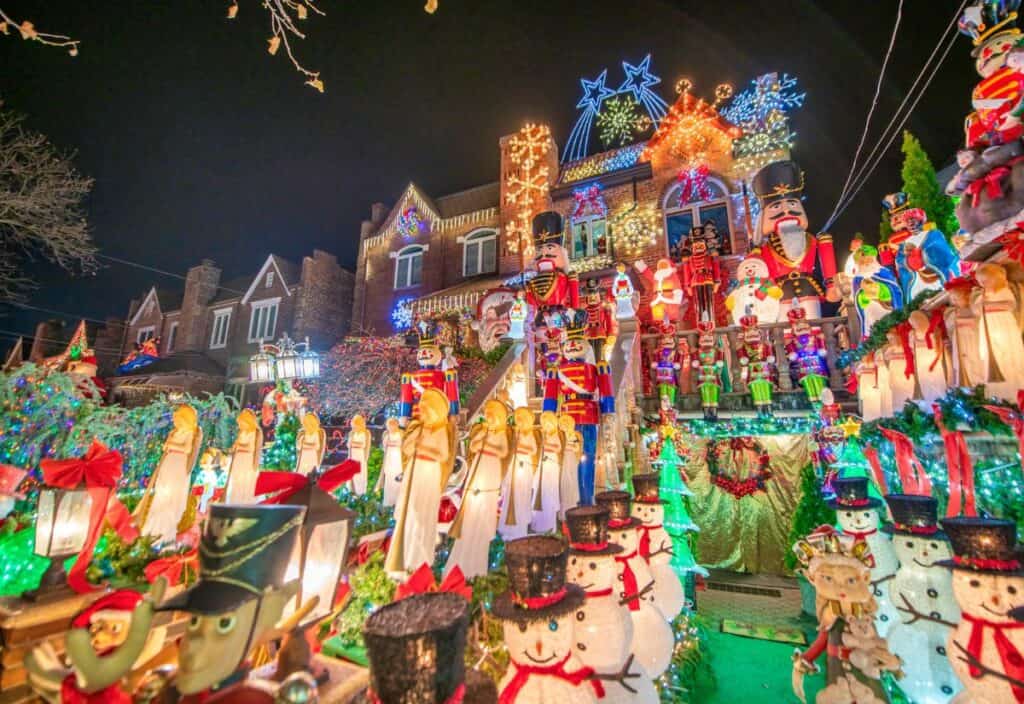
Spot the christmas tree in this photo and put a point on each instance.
(811, 511)
(921, 185)
(280, 455)
(678, 524)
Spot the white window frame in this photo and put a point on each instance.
(218, 315)
(477, 240)
(145, 333)
(694, 209)
(408, 254)
(260, 312)
(172, 337)
(591, 249)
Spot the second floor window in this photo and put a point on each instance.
(682, 214)
(172, 337)
(221, 322)
(480, 253)
(263, 321)
(146, 333)
(589, 237)
(409, 267)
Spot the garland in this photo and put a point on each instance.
(876, 340)
(738, 488)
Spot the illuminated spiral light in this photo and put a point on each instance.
(636, 229)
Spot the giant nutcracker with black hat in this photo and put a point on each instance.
(791, 252)
(553, 285)
(430, 375)
(583, 390)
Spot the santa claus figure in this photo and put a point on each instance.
(430, 375)
(553, 285)
(790, 251)
(666, 290)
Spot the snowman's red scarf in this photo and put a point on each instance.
(645, 540)
(1011, 658)
(523, 673)
(629, 584)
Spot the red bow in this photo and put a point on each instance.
(876, 468)
(913, 477)
(510, 694)
(284, 485)
(422, 581)
(589, 198)
(629, 584)
(1013, 243)
(1013, 662)
(961, 469)
(990, 182)
(936, 325)
(178, 569)
(99, 469)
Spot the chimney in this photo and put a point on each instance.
(201, 284)
(378, 211)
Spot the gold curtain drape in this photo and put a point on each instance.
(748, 534)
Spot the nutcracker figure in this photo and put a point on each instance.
(924, 258)
(553, 285)
(701, 273)
(582, 390)
(757, 362)
(666, 290)
(430, 375)
(789, 250)
(876, 292)
(622, 293)
(600, 321)
(665, 367)
(806, 350)
(708, 365)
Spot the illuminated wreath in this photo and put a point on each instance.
(738, 488)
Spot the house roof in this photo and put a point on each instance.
(231, 289)
(168, 299)
(469, 200)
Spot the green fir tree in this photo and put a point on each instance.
(811, 511)
(924, 190)
(678, 524)
(281, 453)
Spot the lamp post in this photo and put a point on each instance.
(282, 361)
(62, 527)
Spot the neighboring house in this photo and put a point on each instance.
(209, 330)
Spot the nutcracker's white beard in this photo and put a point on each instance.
(793, 238)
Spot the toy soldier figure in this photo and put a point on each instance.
(789, 250)
(701, 274)
(806, 349)
(553, 285)
(430, 375)
(757, 361)
(666, 365)
(582, 390)
(600, 322)
(708, 365)
(924, 259)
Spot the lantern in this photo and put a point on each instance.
(310, 364)
(286, 365)
(261, 368)
(321, 552)
(62, 526)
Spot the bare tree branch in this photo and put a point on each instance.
(283, 27)
(41, 211)
(29, 32)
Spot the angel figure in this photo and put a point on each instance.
(359, 450)
(569, 482)
(515, 490)
(548, 477)
(166, 497)
(245, 460)
(310, 445)
(477, 520)
(389, 482)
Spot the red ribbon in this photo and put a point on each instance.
(629, 584)
(284, 485)
(913, 477)
(645, 541)
(852, 502)
(589, 547)
(619, 522)
(860, 536)
(510, 694)
(917, 530)
(1013, 662)
(589, 197)
(99, 469)
(937, 325)
(1014, 419)
(876, 469)
(456, 698)
(422, 581)
(1013, 244)
(903, 332)
(987, 563)
(960, 467)
(539, 602)
(175, 568)
(990, 182)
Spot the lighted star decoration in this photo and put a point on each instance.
(762, 112)
(527, 188)
(851, 427)
(638, 78)
(635, 228)
(594, 92)
(620, 120)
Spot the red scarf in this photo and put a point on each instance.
(71, 694)
(1013, 661)
(860, 536)
(629, 585)
(961, 469)
(645, 540)
(524, 672)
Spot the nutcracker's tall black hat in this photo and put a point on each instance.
(244, 550)
(427, 331)
(914, 515)
(547, 228)
(416, 649)
(985, 545)
(536, 580)
(576, 326)
(778, 181)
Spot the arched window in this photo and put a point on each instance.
(480, 253)
(692, 202)
(409, 266)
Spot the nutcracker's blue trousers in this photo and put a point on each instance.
(586, 468)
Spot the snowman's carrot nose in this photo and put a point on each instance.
(540, 647)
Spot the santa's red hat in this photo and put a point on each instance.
(122, 601)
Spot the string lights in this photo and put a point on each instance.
(528, 186)
(603, 163)
(693, 131)
(635, 228)
(619, 120)
(761, 111)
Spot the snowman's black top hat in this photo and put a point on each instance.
(645, 488)
(416, 649)
(914, 514)
(987, 545)
(536, 579)
(588, 531)
(620, 506)
(852, 493)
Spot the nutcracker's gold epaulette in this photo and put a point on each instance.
(450, 375)
(405, 378)
(824, 237)
(603, 368)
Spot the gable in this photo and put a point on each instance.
(259, 281)
(411, 197)
(151, 299)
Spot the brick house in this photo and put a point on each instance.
(209, 329)
(446, 252)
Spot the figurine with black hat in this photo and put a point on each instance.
(655, 544)
(601, 326)
(858, 517)
(583, 390)
(604, 629)
(538, 614)
(791, 252)
(430, 375)
(652, 636)
(986, 649)
(922, 593)
(924, 259)
(553, 285)
(702, 275)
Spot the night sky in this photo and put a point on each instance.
(203, 145)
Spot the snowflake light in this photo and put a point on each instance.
(402, 315)
(762, 112)
(528, 187)
(619, 120)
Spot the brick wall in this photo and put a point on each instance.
(325, 300)
(200, 286)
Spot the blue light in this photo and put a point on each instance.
(401, 314)
(594, 92)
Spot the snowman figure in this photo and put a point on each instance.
(858, 518)
(604, 629)
(655, 545)
(538, 616)
(653, 640)
(922, 592)
(754, 288)
(986, 649)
